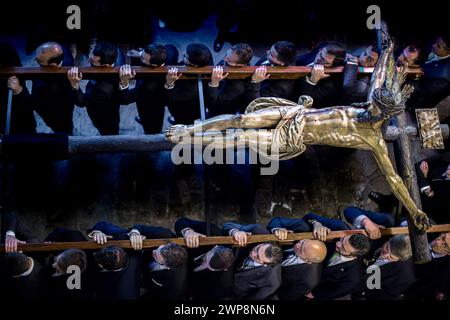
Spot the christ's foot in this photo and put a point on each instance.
(176, 133)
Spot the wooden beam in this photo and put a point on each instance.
(292, 72)
(405, 163)
(208, 241)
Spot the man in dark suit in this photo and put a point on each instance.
(14, 231)
(325, 90)
(356, 88)
(433, 177)
(103, 97)
(232, 96)
(434, 85)
(183, 99)
(149, 94)
(210, 268)
(396, 270)
(281, 54)
(433, 278)
(21, 274)
(302, 263)
(342, 268)
(257, 268)
(51, 98)
(22, 117)
(120, 272)
(21, 277)
(56, 269)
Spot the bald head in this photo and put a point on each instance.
(313, 251)
(441, 245)
(49, 54)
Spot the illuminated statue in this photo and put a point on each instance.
(288, 127)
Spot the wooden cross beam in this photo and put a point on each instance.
(208, 241)
(291, 72)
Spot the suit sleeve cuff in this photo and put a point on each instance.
(133, 231)
(123, 87)
(357, 222)
(11, 233)
(91, 234)
(308, 80)
(184, 231)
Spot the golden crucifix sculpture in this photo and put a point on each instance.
(292, 126)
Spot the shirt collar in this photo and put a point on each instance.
(292, 259)
(435, 255)
(28, 272)
(433, 57)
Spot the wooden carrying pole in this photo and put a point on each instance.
(208, 241)
(187, 72)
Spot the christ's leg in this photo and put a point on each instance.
(230, 139)
(264, 118)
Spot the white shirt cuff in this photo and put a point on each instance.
(230, 233)
(423, 189)
(309, 81)
(275, 229)
(169, 87)
(11, 233)
(184, 230)
(358, 221)
(91, 234)
(351, 62)
(133, 231)
(121, 87)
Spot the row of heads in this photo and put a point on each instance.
(219, 258)
(282, 53)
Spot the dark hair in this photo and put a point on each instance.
(222, 258)
(72, 257)
(111, 258)
(174, 255)
(360, 243)
(16, 263)
(401, 246)
(106, 51)
(56, 60)
(158, 54)
(274, 253)
(338, 51)
(244, 52)
(199, 54)
(286, 52)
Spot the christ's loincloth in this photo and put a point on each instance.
(287, 137)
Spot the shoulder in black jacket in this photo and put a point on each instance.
(205, 284)
(396, 278)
